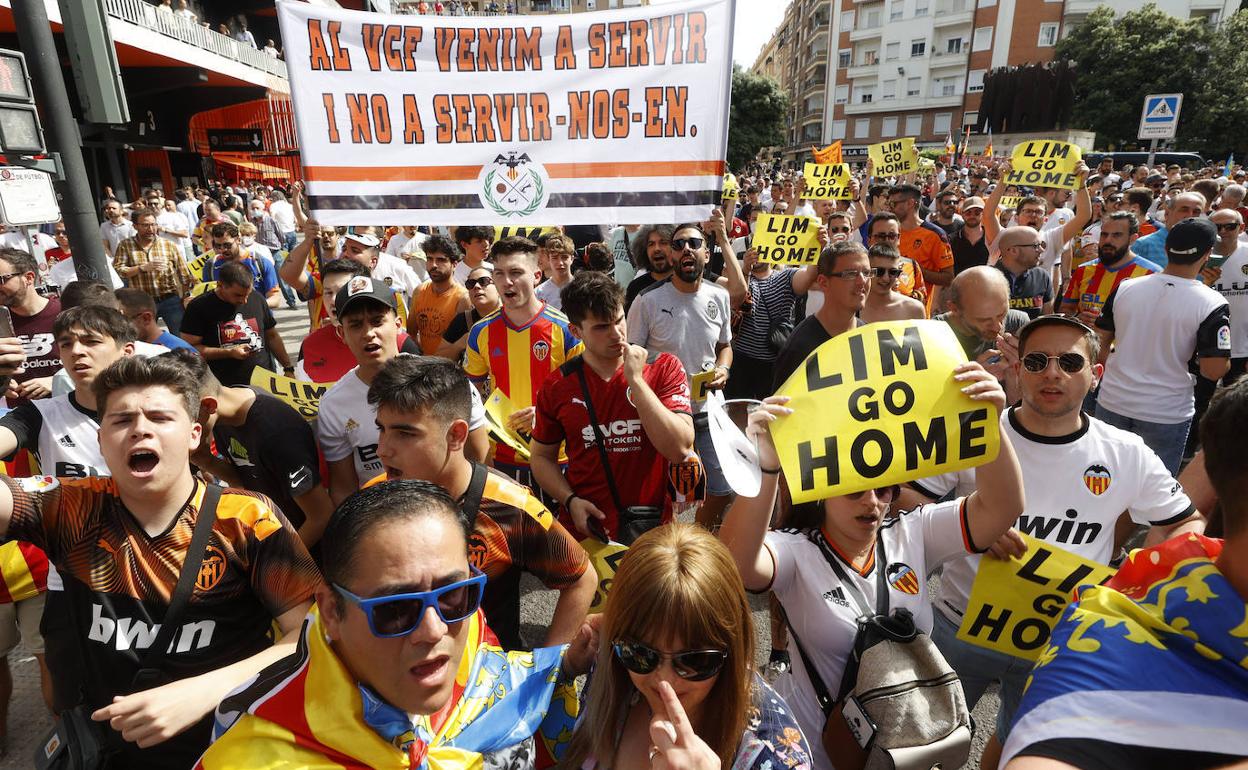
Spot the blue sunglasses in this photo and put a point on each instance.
(400, 614)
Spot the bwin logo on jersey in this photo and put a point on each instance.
(1056, 530)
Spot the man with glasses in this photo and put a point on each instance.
(1227, 273)
(156, 266)
(884, 302)
(1031, 286)
(1158, 325)
(396, 667)
(922, 242)
(423, 406)
(690, 317)
(945, 215)
(969, 243)
(227, 248)
(885, 230)
(1079, 475)
(1182, 206)
(1055, 226)
(1092, 282)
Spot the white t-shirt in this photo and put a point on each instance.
(1233, 284)
(175, 221)
(397, 275)
(1076, 487)
(115, 234)
(283, 216)
(549, 292)
(1159, 322)
(347, 425)
(64, 273)
(824, 615)
(401, 246)
(689, 325)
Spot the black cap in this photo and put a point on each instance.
(1054, 319)
(359, 288)
(1192, 236)
(1153, 179)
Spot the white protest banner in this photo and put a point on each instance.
(616, 116)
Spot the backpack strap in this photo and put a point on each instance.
(472, 496)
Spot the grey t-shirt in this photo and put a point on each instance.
(689, 325)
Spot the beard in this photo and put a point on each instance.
(1108, 255)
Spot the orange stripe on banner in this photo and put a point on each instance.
(555, 170)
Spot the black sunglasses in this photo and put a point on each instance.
(483, 281)
(1224, 226)
(692, 665)
(694, 243)
(883, 494)
(1070, 363)
(880, 272)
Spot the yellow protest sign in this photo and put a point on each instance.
(1045, 163)
(196, 266)
(532, 232)
(826, 182)
(203, 288)
(305, 397)
(732, 190)
(498, 410)
(879, 406)
(1010, 201)
(606, 560)
(786, 240)
(893, 158)
(1015, 604)
(699, 385)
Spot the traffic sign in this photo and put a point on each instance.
(1160, 116)
(26, 197)
(235, 139)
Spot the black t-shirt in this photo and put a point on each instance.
(643, 281)
(284, 468)
(807, 336)
(1030, 291)
(966, 254)
(460, 325)
(221, 325)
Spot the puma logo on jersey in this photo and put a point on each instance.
(1068, 531)
(133, 634)
(576, 400)
(665, 310)
(836, 596)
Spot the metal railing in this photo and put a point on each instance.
(193, 33)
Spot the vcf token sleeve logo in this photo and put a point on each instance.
(514, 185)
(1097, 479)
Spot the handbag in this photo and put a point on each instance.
(632, 521)
(77, 742)
(900, 706)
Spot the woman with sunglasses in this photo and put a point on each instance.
(674, 685)
(483, 295)
(841, 534)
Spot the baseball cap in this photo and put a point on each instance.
(1053, 319)
(1153, 179)
(1194, 235)
(973, 202)
(367, 241)
(360, 288)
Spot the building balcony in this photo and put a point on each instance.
(946, 59)
(811, 116)
(866, 33)
(863, 70)
(952, 16)
(141, 25)
(908, 104)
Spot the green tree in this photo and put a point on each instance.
(1216, 125)
(1120, 60)
(757, 116)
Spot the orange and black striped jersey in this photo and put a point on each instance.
(119, 580)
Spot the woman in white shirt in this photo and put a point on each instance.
(793, 564)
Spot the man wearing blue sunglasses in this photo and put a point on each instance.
(396, 665)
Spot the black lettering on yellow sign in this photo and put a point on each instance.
(786, 239)
(1045, 164)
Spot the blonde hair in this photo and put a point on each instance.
(247, 228)
(677, 581)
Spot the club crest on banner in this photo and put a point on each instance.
(514, 185)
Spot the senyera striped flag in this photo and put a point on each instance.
(608, 117)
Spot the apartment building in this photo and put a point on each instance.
(917, 67)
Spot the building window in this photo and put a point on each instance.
(866, 97)
(847, 21)
(862, 128)
(913, 85)
(953, 45)
(987, 3)
(920, 8)
(873, 19)
(889, 90)
(942, 123)
(975, 81)
(889, 128)
(870, 58)
(843, 57)
(842, 94)
(896, 10)
(969, 119)
(1048, 34)
(982, 40)
(838, 129)
(914, 125)
(918, 48)
(892, 51)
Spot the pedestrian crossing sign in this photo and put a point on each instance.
(1160, 116)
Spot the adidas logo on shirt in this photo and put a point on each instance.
(836, 596)
(66, 441)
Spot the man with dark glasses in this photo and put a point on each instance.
(395, 667)
(884, 302)
(1079, 475)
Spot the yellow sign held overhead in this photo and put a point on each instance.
(879, 406)
(1015, 604)
(732, 191)
(305, 397)
(1010, 201)
(1045, 163)
(827, 181)
(532, 232)
(893, 158)
(786, 240)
